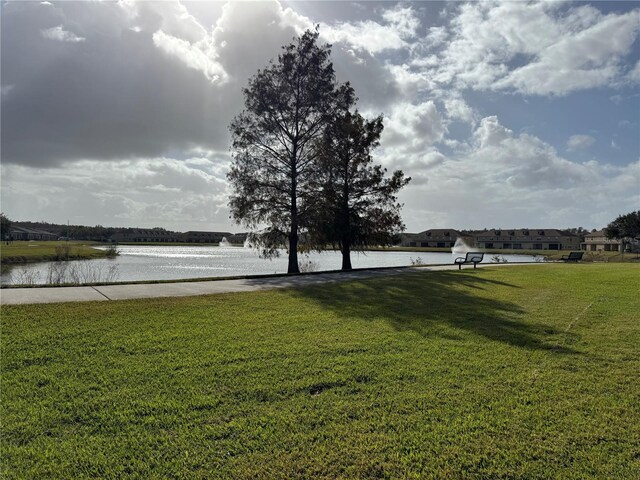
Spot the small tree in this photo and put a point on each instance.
(624, 226)
(5, 226)
(274, 160)
(358, 206)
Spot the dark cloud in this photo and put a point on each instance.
(122, 92)
(114, 95)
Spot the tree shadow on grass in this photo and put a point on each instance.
(425, 302)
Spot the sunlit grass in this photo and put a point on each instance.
(519, 372)
(40, 251)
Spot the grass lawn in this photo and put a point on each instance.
(516, 372)
(42, 251)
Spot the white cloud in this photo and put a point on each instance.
(400, 24)
(634, 73)
(516, 180)
(436, 36)
(458, 109)
(200, 56)
(413, 128)
(146, 193)
(491, 133)
(579, 142)
(61, 35)
(535, 48)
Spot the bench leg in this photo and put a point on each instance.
(474, 265)
(459, 266)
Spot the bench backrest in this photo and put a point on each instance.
(575, 255)
(474, 257)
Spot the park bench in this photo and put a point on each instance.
(572, 257)
(470, 257)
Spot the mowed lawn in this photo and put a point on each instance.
(511, 372)
(41, 251)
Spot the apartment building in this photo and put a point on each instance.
(598, 242)
(436, 238)
(527, 239)
(508, 239)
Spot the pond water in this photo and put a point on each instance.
(147, 262)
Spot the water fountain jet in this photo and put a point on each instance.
(460, 247)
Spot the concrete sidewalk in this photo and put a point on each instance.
(17, 296)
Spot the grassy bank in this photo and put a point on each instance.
(519, 372)
(37, 251)
(550, 255)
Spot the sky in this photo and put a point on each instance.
(504, 114)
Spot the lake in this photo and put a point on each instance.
(150, 262)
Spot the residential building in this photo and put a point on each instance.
(23, 233)
(598, 242)
(204, 237)
(436, 238)
(526, 239)
(146, 235)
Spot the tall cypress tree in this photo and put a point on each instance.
(274, 168)
(358, 204)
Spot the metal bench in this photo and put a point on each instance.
(470, 257)
(572, 257)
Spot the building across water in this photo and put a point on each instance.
(598, 242)
(507, 239)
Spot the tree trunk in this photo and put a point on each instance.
(293, 232)
(346, 257)
(293, 251)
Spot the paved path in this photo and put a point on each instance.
(15, 296)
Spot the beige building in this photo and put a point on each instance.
(527, 239)
(436, 238)
(598, 242)
(508, 239)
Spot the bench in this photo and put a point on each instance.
(470, 257)
(572, 257)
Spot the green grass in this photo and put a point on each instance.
(43, 251)
(552, 255)
(518, 372)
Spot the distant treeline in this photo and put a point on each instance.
(82, 232)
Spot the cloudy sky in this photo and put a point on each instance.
(505, 114)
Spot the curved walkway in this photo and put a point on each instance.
(103, 293)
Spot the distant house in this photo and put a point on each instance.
(146, 235)
(527, 239)
(598, 242)
(435, 238)
(23, 233)
(204, 237)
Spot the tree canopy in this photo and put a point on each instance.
(624, 226)
(5, 225)
(302, 165)
(358, 206)
(287, 106)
